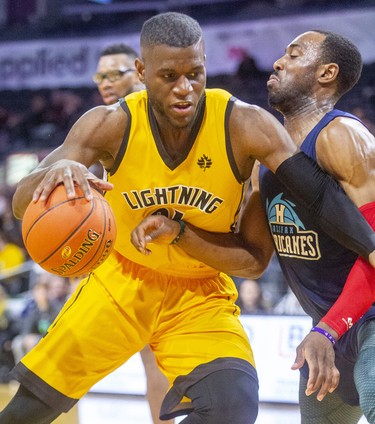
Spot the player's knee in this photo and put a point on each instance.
(227, 396)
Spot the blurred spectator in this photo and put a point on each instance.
(11, 255)
(11, 258)
(248, 68)
(41, 119)
(8, 330)
(35, 127)
(65, 107)
(288, 305)
(249, 82)
(11, 136)
(5, 142)
(58, 287)
(250, 298)
(35, 319)
(8, 223)
(273, 283)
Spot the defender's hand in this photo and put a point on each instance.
(318, 351)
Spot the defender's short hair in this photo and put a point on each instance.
(337, 49)
(172, 29)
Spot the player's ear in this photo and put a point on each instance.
(140, 67)
(328, 73)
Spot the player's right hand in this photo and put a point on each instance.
(69, 173)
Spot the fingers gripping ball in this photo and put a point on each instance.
(69, 237)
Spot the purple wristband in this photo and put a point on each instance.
(325, 333)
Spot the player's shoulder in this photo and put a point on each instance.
(342, 143)
(245, 114)
(136, 96)
(134, 102)
(345, 128)
(98, 125)
(218, 93)
(101, 111)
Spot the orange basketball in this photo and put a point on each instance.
(69, 237)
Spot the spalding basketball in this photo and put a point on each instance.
(69, 237)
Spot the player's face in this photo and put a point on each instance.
(175, 79)
(294, 79)
(114, 82)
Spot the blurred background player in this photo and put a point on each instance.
(116, 77)
(37, 316)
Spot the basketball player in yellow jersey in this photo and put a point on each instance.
(116, 77)
(186, 152)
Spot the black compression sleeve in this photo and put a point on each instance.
(337, 215)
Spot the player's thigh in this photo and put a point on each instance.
(331, 410)
(201, 329)
(88, 340)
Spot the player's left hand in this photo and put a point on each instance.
(318, 351)
(156, 229)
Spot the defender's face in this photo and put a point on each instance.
(294, 73)
(175, 79)
(113, 87)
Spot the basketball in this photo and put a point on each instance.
(69, 237)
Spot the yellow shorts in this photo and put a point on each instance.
(119, 309)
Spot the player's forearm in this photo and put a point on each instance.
(225, 252)
(359, 290)
(24, 192)
(355, 300)
(337, 215)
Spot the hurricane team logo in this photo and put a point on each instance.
(289, 233)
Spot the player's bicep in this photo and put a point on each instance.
(96, 135)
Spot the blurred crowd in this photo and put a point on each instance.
(34, 121)
(40, 119)
(30, 298)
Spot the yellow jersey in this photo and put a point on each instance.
(203, 188)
